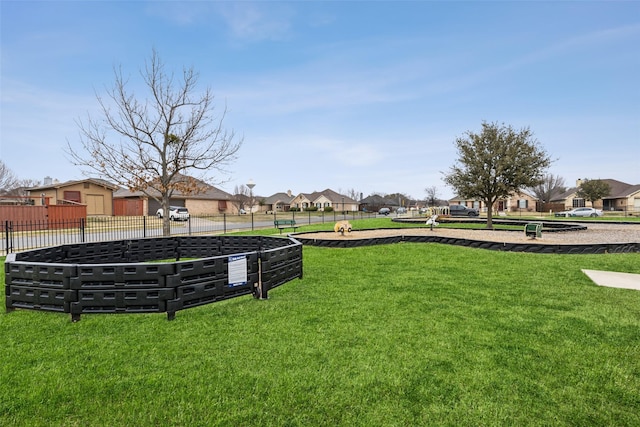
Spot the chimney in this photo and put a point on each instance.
(289, 193)
(48, 180)
(578, 182)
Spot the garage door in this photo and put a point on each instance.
(95, 204)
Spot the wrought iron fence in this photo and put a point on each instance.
(19, 236)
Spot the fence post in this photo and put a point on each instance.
(189, 221)
(7, 226)
(224, 223)
(144, 226)
(82, 226)
(262, 289)
(251, 221)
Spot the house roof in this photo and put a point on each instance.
(209, 192)
(329, 194)
(563, 196)
(278, 197)
(630, 191)
(96, 181)
(620, 189)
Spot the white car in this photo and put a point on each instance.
(176, 213)
(581, 212)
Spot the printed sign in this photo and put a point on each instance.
(237, 270)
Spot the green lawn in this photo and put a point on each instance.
(391, 335)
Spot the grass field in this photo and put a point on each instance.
(392, 335)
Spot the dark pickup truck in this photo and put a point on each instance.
(459, 210)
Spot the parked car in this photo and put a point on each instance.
(401, 210)
(580, 212)
(384, 211)
(460, 210)
(176, 213)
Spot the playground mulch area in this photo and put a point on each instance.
(594, 234)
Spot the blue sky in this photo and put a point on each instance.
(362, 95)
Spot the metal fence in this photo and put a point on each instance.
(19, 236)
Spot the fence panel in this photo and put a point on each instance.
(60, 216)
(34, 282)
(22, 214)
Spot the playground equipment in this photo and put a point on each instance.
(432, 221)
(342, 226)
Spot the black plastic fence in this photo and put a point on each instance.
(25, 235)
(118, 277)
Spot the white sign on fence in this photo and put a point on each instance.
(237, 270)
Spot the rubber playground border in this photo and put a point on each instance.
(312, 239)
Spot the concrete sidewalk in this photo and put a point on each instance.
(614, 280)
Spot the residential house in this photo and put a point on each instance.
(374, 202)
(278, 202)
(208, 201)
(622, 197)
(519, 201)
(324, 199)
(96, 194)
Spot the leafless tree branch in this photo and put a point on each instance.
(156, 144)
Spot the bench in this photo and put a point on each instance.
(533, 229)
(281, 224)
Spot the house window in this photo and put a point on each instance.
(523, 204)
(578, 203)
(72, 196)
(476, 204)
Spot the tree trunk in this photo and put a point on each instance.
(166, 221)
(490, 218)
(490, 204)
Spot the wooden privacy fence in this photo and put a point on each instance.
(128, 207)
(43, 217)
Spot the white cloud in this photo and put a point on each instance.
(257, 21)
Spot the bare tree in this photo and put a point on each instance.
(495, 163)
(8, 180)
(352, 193)
(241, 197)
(432, 195)
(550, 186)
(165, 143)
(21, 191)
